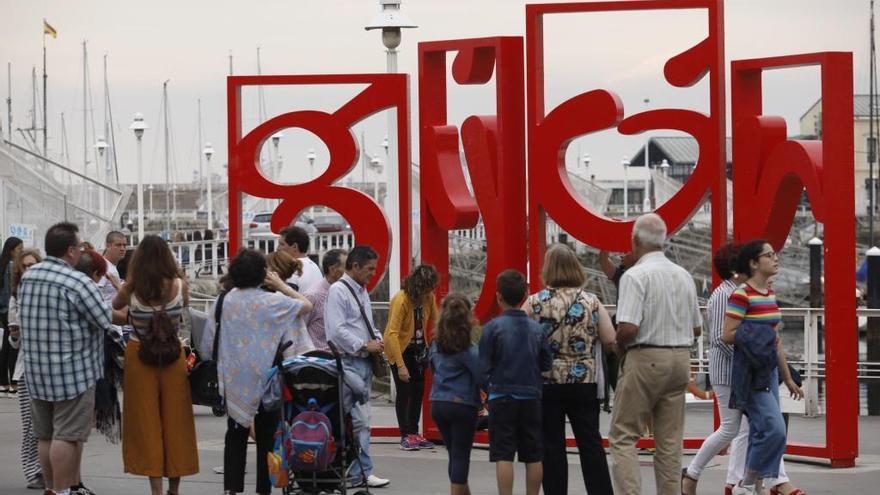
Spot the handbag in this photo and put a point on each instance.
(203, 381)
(377, 360)
(273, 395)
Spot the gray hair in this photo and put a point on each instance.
(650, 230)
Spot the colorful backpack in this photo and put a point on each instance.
(312, 447)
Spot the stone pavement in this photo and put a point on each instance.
(424, 472)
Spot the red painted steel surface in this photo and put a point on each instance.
(550, 132)
(769, 175)
(367, 219)
(770, 171)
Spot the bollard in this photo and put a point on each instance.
(816, 286)
(873, 334)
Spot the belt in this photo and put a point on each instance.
(652, 346)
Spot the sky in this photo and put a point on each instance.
(189, 43)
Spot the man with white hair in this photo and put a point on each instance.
(658, 318)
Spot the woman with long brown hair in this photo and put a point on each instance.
(30, 461)
(455, 392)
(412, 309)
(158, 434)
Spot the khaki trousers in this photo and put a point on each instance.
(652, 383)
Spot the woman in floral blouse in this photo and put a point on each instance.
(577, 325)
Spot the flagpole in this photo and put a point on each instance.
(45, 110)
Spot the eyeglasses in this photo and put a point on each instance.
(769, 254)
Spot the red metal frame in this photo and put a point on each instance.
(550, 133)
(770, 175)
(368, 221)
(494, 147)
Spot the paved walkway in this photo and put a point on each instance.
(424, 472)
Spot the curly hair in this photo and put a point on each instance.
(421, 281)
(248, 269)
(152, 265)
(282, 263)
(725, 260)
(455, 324)
(18, 267)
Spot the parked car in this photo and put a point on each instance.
(331, 223)
(261, 224)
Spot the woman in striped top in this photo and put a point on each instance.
(720, 355)
(755, 302)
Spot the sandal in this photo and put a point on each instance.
(796, 491)
(683, 476)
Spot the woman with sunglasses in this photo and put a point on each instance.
(751, 323)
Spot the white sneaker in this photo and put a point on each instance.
(374, 481)
(746, 490)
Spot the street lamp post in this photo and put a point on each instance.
(391, 21)
(276, 170)
(625, 188)
(209, 151)
(138, 126)
(152, 213)
(310, 156)
(102, 146)
(376, 165)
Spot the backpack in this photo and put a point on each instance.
(159, 344)
(312, 447)
(277, 458)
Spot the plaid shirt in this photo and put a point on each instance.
(63, 321)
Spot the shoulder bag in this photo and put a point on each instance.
(203, 381)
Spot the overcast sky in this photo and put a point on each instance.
(189, 43)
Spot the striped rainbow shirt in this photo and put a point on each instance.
(746, 303)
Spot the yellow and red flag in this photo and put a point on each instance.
(47, 29)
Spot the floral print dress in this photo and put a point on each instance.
(570, 318)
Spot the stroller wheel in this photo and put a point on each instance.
(218, 411)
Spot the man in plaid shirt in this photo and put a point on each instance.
(63, 323)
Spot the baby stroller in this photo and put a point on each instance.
(317, 381)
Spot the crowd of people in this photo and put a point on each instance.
(74, 324)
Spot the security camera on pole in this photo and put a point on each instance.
(391, 21)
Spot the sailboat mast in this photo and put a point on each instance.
(199, 148)
(45, 107)
(167, 161)
(9, 99)
(85, 113)
(872, 138)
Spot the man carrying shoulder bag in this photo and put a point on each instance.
(349, 326)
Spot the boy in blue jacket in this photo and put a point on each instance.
(513, 353)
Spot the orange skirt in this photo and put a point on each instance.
(158, 428)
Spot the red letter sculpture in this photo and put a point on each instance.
(493, 147)
(769, 175)
(368, 221)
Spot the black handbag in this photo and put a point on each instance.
(377, 360)
(204, 384)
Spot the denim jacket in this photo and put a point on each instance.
(456, 377)
(513, 353)
(754, 360)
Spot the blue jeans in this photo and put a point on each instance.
(766, 431)
(360, 420)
